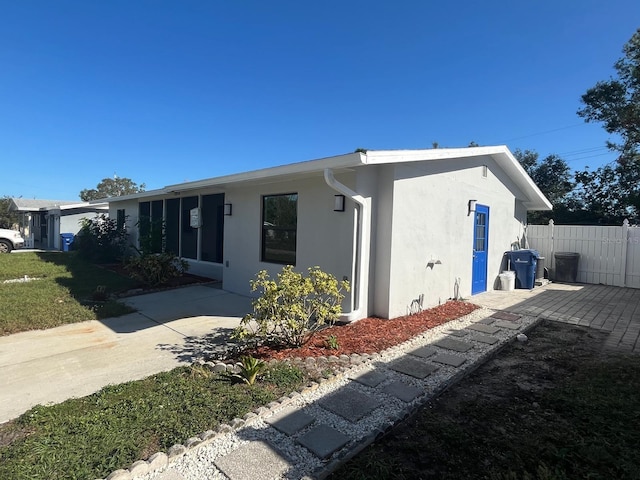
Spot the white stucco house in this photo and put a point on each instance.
(42, 221)
(405, 227)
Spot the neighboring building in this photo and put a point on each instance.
(42, 221)
(407, 228)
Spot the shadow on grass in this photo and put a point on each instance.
(86, 277)
(90, 284)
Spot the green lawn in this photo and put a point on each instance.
(62, 294)
(90, 437)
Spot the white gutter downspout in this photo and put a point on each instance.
(361, 245)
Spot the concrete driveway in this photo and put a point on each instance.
(170, 328)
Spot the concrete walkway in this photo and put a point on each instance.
(170, 328)
(610, 309)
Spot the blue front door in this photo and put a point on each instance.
(480, 246)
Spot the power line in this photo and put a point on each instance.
(585, 157)
(545, 132)
(582, 151)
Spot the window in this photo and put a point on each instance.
(150, 225)
(120, 218)
(189, 233)
(212, 227)
(172, 226)
(279, 228)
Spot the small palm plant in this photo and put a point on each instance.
(250, 368)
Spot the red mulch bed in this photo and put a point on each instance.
(371, 335)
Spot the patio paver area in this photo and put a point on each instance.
(610, 309)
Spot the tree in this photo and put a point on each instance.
(527, 159)
(111, 187)
(616, 104)
(553, 176)
(603, 195)
(102, 240)
(7, 218)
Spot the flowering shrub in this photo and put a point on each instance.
(291, 309)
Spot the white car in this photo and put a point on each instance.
(10, 240)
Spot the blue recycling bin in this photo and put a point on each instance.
(524, 263)
(66, 239)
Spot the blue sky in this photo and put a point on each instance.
(168, 91)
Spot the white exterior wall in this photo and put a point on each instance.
(324, 237)
(430, 222)
(71, 223)
(382, 226)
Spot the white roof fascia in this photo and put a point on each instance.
(122, 198)
(299, 168)
(103, 205)
(374, 157)
(310, 166)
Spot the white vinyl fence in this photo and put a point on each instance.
(608, 255)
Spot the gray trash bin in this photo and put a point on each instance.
(566, 266)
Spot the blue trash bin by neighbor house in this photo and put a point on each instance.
(66, 239)
(524, 263)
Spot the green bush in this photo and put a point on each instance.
(292, 309)
(156, 268)
(101, 240)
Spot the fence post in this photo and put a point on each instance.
(623, 261)
(551, 240)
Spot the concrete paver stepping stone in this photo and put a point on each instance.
(258, 459)
(457, 333)
(350, 404)
(423, 352)
(487, 321)
(370, 378)
(449, 359)
(505, 316)
(401, 390)
(413, 367)
(507, 324)
(485, 339)
(290, 420)
(322, 441)
(453, 344)
(479, 327)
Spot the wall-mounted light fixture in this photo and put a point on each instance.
(227, 209)
(472, 207)
(338, 203)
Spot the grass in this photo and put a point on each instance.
(90, 437)
(62, 294)
(583, 424)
